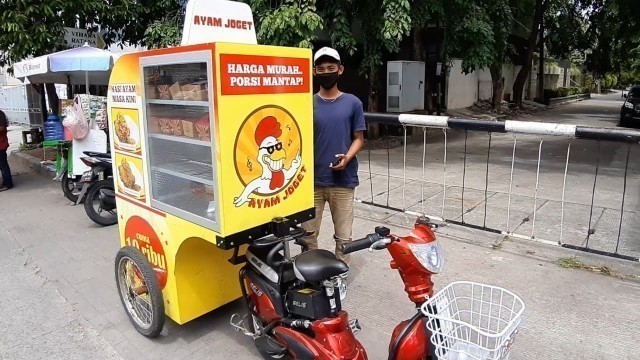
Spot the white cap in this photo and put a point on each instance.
(326, 51)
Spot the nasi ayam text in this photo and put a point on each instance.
(124, 93)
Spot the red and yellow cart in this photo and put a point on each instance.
(212, 140)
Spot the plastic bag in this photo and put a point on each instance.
(77, 125)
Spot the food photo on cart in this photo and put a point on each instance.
(213, 177)
(79, 134)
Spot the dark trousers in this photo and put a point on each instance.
(4, 168)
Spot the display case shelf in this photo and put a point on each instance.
(190, 170)
(181, 139)
(177, 102)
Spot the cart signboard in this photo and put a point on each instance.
(212, 141)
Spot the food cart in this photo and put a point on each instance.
(212, 141)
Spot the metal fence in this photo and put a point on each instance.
(21, 104)
(567, 185)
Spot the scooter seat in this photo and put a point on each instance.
(99, 155)
(315, 266)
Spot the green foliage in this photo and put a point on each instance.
(609, 29)
(21, 36)
(610, 81)
(163, 33)
(292, 23)
(396, 23)
(629, 78)
(338, 17)
(564, 92)
(144, 22)
(478, 32)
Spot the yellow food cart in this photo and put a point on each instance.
(211, 140)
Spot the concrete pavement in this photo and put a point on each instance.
(571, 314)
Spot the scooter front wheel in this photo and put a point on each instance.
(139, 291)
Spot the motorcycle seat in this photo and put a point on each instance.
(315, 266)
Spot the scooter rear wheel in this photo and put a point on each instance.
(70, 189)
(93, 198)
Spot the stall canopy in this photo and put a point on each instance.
(84, 65)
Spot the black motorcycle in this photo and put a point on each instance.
(98, 190)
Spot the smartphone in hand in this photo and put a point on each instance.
(337, 162)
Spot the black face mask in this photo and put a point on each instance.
(327, 80)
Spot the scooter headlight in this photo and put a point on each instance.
(628, 105)
(429, 255)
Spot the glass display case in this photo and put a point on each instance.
(177, 112)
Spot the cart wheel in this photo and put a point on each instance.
(69, 187)
(139, 291)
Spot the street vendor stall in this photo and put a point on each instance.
(79, 66)
(212, 141)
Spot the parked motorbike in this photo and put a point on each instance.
(71, 185)
(294, 304)
(98, 191)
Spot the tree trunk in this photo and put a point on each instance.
(521, 79)
(54, 100)
(373, 130)
(498, 86)
(418, 55)
(541, 65)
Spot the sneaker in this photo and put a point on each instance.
(4, 188)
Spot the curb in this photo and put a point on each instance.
(34, 164)
(568, 100)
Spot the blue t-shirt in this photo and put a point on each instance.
(334, 124)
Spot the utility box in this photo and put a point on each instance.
(405, 86)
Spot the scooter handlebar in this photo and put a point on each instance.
(361, 244)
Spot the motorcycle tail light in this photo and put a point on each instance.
(89, 161)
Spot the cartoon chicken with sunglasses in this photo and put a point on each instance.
(271, 157)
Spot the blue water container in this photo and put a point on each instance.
(53, 129)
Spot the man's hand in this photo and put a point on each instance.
(341, 162)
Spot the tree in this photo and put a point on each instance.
(128, 21)
(478, 32)
(21, 37)
(150, 23)
(539, 7)
(426, 14)
(608, 29)
(380, 27)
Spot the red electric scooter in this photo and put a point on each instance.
(294, 304)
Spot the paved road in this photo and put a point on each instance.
(600, 110)
(59, 299)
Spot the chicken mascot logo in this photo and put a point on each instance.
(268, 157)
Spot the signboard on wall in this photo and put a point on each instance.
(78, 37)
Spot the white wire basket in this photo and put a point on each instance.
(473, 321)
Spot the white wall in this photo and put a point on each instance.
(462, 89)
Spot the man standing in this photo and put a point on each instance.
(338, 120)
(7, 182)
